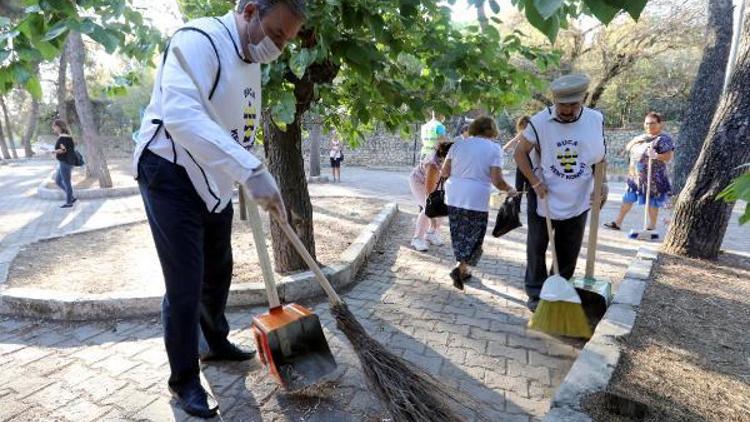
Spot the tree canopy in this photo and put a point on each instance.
(34, 31)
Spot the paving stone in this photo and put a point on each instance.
(501, 350)
(538, 359)
(115, 365)
(538, 373)
(519, 385)
(52, 396)
(11, 408)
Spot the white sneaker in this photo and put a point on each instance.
(419, 244)
(434, 238)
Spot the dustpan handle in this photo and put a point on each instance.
(259, 239)
(300, 247)
(599, 172)
(551, 234)
(648, 194)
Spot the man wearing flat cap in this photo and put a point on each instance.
(556, 155)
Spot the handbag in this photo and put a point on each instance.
(79, 159)
(508, 216)
(435, 204)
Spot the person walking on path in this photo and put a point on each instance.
(521, 124)
(187, 165)
(556, 154)
(424, 179)
(472, 167)
(658, 147)
(336, 155)
(431, 133)
(65, 152)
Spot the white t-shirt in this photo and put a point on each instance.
(568, 152)
(470, 183)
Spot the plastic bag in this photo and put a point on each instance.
(558, 289)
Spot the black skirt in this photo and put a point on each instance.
(468, 229)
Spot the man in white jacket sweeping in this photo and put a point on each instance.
(187, 164)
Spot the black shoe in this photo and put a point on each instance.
(532, 304)
(612, 225)
(74, 200)
(230, 352)
(67, 205)
(195, 401)
(457, 278)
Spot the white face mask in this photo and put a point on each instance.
(265, 51)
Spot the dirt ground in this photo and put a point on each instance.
(119, 171)
(688, 358)
(124, 259)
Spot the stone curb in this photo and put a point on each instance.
(593, 369)
(37, 303)
(43, 192)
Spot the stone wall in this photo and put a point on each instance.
(384, 149)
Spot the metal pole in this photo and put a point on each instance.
(414, 154)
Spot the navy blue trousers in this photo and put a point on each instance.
(195, 252)
(568, 239)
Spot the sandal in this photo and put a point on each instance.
(457, 279)
(612, 226)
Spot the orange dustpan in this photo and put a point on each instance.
(289, 338)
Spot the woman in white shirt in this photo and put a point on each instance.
(472, 167)
(336, 155)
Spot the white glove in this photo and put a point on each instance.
(262, 188)
(652, 154)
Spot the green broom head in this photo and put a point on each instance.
(559, 311)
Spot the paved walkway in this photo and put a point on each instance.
(475, 340)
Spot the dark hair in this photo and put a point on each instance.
(521, 123)
(464, 128)
(483, 126)
(441, 151)
(265, 6)
(62, 125)
(655, 115)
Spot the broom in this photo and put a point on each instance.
(645, 234)
(559, 311)
(408, 392)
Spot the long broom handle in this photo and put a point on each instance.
(648, 191)
(551, 234)
(599, 172)
(302, 251)
(254, 216)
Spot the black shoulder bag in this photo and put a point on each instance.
(435, 204)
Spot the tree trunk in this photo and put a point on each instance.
(8, 129)
(700, 220)
(287, 164)
(95, 160)
(62, 110)
(31, 126)
(3, 145)
(482, 16)
(706, 91)
(315, 130)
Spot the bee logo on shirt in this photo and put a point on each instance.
(250, 116)
(567, 159)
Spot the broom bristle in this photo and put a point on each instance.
(408, 392)
(562, 319)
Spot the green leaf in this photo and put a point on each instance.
(494, 6)
(57, 30)
(47, 50)
(300, 60)
(4, 54)
(547, 8)
(285, 109)
(635, 7)
(603, 10)
(105, 38)
(548, 27)
(20, 74)
(34, 87)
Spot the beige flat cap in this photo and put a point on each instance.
(570, 88)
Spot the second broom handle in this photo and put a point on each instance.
(550, 234)
(302, 251)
